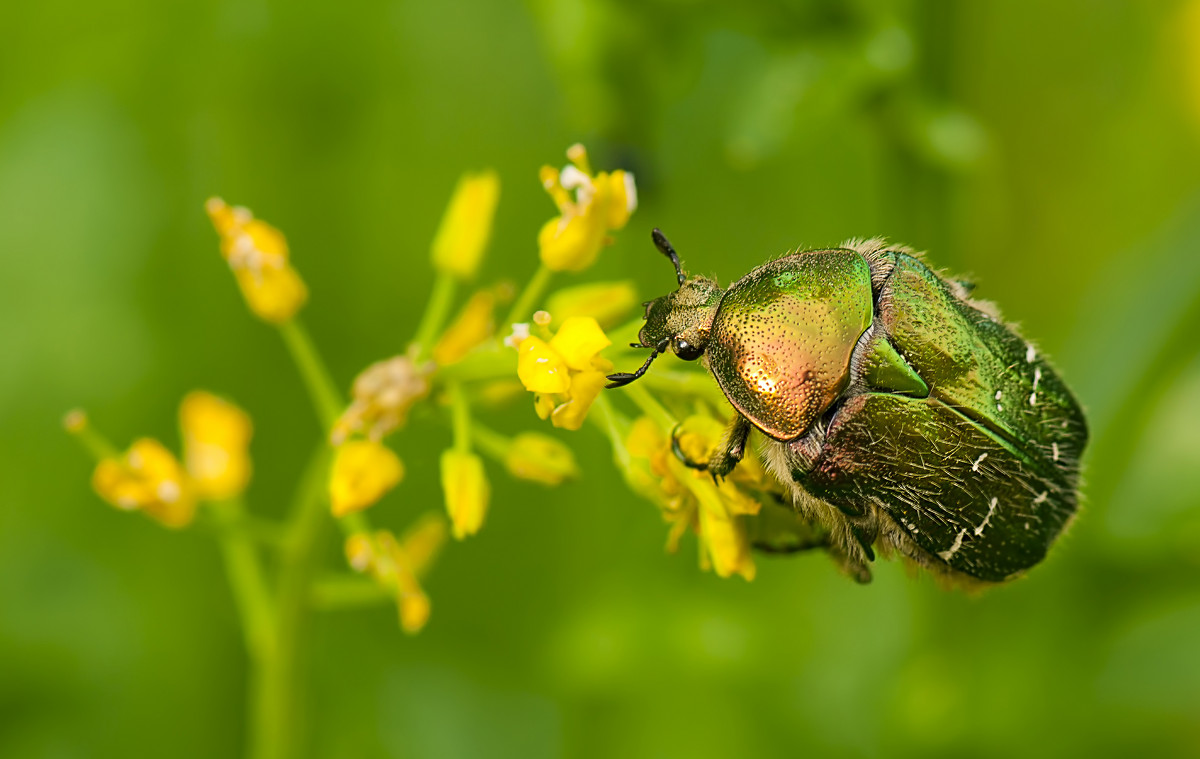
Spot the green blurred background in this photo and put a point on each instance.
(1049, 150)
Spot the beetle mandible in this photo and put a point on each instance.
(900, 412)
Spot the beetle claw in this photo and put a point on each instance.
(679, 454)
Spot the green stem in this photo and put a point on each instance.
(615, 426)
(321, 388)
(348, 592)
(245, 577)
(279, 682)
(462, 418)
(437, 310)
(650, 406)
(93, 441)
(490, 442)
(523, 309)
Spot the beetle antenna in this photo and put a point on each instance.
(664, 246)
(621, 379)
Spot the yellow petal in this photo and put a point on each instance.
(149, 478)
(540, 458)
(473, 326)
(540, 368)
(620, 198)
(363, 472)
(466, 489)
(360, 554)
(216, 434)
(414, 609)
(273, 294)
(571, 243)
(578, 341)
(585, 388)
(609, 303)
(467, 225)
(726, 544)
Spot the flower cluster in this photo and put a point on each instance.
(258, 255)
(149, 478)
(600, 204)
(565, 372)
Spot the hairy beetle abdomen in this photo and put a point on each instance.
(783, 336)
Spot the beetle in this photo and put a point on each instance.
(900, 412)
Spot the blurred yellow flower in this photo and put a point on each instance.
(383, 394)
(466, 489)
(688, 498)
(540, 458)
(147, 478)
(258, 255)
(472, 327)
(609, 303)
(467, 225)
(567, 373)
(399, 564)
(602, 203)
(216, 437)
(363, 472)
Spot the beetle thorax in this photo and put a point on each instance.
(682, 317)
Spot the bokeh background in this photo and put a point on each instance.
(1049, 150)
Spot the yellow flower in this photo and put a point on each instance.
(216, 436)
(363, 472)
(258, 255)
(466, 489)
(540, 458)
(147, 478)
(472, 327)
(567, 373)
(689, 499)
(609, 303)
(602, 203)
(399, 564)
(467, 225)
(383, 394)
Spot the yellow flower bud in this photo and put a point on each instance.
(383, 394)
(540, 367)
(258, 255)
(472, 327)
(147, 478)
(467, 225)
(540, 458)
(360, 554)
(216, 436)
(466, 489)
(363, 472)
(609, 303)
(726, 544)
(422, 542)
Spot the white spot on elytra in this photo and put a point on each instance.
(1033, 399)
(999, 407)
(1041, 498)
(1054, 450)
(1037, 377)
(978, 461)
(1030, 353)
(999, 394)
(953, 549)
(988, 518)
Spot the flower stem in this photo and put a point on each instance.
(437, 310)
(461, 417)
(90, 438)
(615, 426)
(650, 406)
(245, 577)
(321, 388)
(348, 592)
(491, 442)
(278, 685)
(523, 309)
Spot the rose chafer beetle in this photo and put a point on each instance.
(900, 412)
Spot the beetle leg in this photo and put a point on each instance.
(732, 449)
(683, 457)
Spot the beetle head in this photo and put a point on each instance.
(678, 321)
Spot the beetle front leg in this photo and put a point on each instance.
(732, 448)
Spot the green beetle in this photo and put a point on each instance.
(901, 412)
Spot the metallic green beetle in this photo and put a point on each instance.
(901, 412)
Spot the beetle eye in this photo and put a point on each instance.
(687, 351)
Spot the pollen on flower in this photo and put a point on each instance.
(150, 479)
(383, 394)
(258, 255)
(600, 204)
